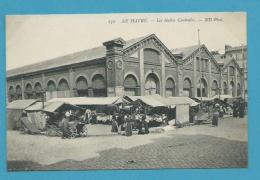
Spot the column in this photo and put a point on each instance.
(228, 83)
(115, 67)
(210, 79)
(235, 82)
(72, 83)
(141, 69)
(22, 84)
(179, 80)
(162, 58)
(194, 76)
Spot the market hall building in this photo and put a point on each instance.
(138, 67)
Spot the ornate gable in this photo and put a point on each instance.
(204, 54)
(150, 42)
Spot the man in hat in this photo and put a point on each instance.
(64, 125)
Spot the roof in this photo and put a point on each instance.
(51, 107)
(77, 57)
(21, 104)
(185, 51)
(36, 106)
(147, 100)
(157, 100)
(89, 100)
(235, 48)
(222, 59)
(182, 100)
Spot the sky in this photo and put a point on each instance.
(34, 38)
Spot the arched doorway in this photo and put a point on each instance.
(11, 94)
(225, 88)
(99, 86)
(202, 88)
(130, 85)
(152, 85)
(170, 87)
(63, 89)
(38, 90)
(232, 88)
(214, 88)
(28, 94)
(18, 92)
(82, 86)
(187, 87)
(51, 90)
(238, 89)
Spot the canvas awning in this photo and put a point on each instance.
(37, 106)
(147, 100)
(90, 100)
(21, 104)
(182, 100)
(223, 97)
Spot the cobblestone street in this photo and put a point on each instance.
(211, 147)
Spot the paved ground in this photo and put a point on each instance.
(190, 147)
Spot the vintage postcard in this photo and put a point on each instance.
(126, 91)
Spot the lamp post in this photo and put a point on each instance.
(199, 65)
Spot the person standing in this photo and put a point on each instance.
(215, 117)
(64, 125)
(114, 124)
(129, 128)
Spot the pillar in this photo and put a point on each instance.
(235, 82)
(162, 58)
(210, 79)
(115, 67)
(228, 83)
(179, 80)
(141, 69)
(72, 83)
(194, 94)
(22, 84)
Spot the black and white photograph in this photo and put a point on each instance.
(126, 91)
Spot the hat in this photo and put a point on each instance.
(67, 114)
(216, 105)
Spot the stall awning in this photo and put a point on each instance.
(181, 100)
(37, 106)
(223, 97)
(147, 100)
(21, 104)
(90, 100)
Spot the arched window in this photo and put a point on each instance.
(232, 88)
(28, 91)
(99, 86)
(11, 94)
(63, 85)
(152, 85)
(170, 87)
(63, 89)
(51, 90)
(18, 92)
(82, 86)
(130, 85)
(202, 86)
(238, 89)
(231, 71)
(187, 87)
(151, 55)
(38, 90)
(214, 88)
(225, 88)
(51, 86)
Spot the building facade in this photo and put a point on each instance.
(140, 66)
(239, 53)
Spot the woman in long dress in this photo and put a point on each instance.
(129, 128)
